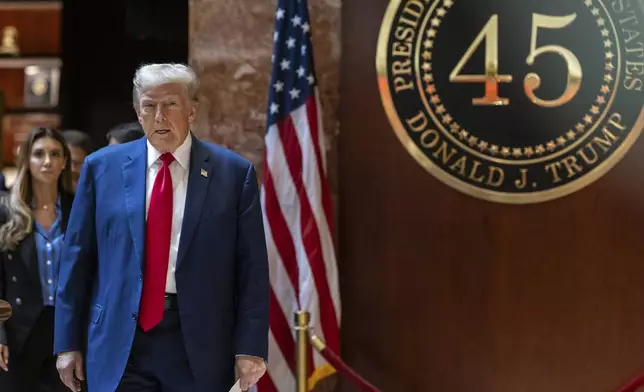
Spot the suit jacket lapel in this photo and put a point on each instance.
(198, 180)
(30, 257)
(134, 179)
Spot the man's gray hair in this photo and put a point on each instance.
(154, 75)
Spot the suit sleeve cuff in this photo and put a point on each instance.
(251, 356)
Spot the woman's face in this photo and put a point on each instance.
(46, 161)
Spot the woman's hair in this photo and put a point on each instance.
(19, 218)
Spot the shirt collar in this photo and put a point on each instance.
(181, 154)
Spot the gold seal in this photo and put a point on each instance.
(518, 102)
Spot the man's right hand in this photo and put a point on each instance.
(4, 358)
(69, 365)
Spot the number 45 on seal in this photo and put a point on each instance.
(532, 81)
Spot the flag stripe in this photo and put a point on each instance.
(283, 292)
(279, 278)
(282, 375)
(265, 384)
(324, 266)
(322, 197)
(277, 224)
(318, 145)
(286, 195)
(282, 332)
(288, 198)
(296, 201)
(310, 233)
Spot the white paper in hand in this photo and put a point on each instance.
(236, 387)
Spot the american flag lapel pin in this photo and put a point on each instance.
(204, 173)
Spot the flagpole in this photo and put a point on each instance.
(302, 320)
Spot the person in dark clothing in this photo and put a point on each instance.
(80, 146)
(126, 132)
(33, 222)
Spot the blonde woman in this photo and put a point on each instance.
(33, 219)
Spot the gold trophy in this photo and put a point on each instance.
(9, 41)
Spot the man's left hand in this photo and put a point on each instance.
(249, 370)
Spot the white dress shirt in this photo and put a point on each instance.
(179, 170)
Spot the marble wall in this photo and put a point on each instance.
(231, 47)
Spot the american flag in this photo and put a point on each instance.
(296, 204)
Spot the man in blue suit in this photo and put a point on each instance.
(164, 269)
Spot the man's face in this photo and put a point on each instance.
(78, 156)
(165, 113)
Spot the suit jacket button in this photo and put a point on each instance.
(18, 301)
(14, 279)
(9, 256)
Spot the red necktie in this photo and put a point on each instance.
(157, 247)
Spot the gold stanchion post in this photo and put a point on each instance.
(302, 320)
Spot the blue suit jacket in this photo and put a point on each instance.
(222, 266)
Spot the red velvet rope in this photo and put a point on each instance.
(346, 371)
(633, 385)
